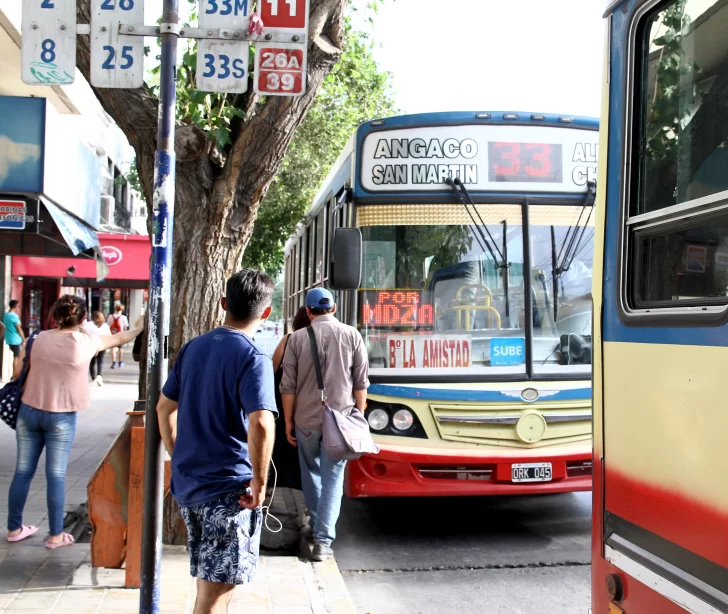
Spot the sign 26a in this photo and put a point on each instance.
(280, 70)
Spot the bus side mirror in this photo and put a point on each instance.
(346, 259)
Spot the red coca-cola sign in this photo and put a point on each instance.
(112, 255)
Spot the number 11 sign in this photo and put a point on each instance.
(284, 15)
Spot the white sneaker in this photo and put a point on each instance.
(99, 381)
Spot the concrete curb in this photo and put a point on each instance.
(328, 593)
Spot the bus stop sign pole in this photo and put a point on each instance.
(160, 287)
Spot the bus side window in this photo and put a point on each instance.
(679, 159)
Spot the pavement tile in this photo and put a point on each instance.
(292, 600)
(36, 599)
(287, 609)
(252, 609)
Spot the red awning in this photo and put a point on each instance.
(126, 255)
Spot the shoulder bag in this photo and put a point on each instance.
(11, 392)
(346, 433)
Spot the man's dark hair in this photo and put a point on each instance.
(248, 294)
(13, 304)
(321, 311)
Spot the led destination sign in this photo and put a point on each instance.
(483, 157)
(395, 308)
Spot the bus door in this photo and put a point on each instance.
(664, 519)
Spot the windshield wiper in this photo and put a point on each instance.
(500, 258)
(479, 237)
(571, 245)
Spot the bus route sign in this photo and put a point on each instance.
(48, 55)
(280, 69)
(117, 61)
(284, 15)
(222, 65)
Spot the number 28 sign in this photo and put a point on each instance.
(280, 69)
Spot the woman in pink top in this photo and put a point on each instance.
(56, 388)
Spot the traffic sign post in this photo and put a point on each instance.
(117, 54)
(160, 292)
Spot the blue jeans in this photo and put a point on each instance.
(323, 484)
(36, 430)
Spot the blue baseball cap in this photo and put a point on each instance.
(319, 297)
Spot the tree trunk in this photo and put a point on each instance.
(216, 201)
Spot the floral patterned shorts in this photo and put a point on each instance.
(223, 539)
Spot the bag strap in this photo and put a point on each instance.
(316, 363)
(26, 359)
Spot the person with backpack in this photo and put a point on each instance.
(118, 323)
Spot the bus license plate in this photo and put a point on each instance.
(531, 472)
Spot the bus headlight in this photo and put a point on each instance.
(378, 419)
(403, 419)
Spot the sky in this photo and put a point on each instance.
(487, 55)
(483, 55)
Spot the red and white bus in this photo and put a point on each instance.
(464, 258)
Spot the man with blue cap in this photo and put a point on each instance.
(345, 368)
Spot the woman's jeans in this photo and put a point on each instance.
(36, 430)
(323, 484)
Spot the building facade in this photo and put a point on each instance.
(69, 219)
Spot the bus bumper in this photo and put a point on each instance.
(420, 473)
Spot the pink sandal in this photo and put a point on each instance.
(25, 531)
(67, 540)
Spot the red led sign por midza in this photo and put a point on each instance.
(396, 308)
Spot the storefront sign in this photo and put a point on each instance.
(428, 351)
(14, 214)
(112, 255)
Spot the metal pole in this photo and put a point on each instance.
(160, 287)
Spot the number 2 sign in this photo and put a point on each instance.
(280, 69)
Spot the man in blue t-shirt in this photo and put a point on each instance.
(13, 331)
(217, 418)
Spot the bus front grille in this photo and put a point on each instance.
(520, 425)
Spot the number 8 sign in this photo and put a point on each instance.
(280, 69)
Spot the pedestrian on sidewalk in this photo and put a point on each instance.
(13, 331)
(217, 419)
(97, 326)
(288, 467)
(118, 323)
(345, 369)
(55, 390)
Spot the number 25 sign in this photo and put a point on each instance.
(280, 69)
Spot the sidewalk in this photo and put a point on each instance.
(283, 585)
(35, 580)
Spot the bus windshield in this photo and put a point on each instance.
(440, 295)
